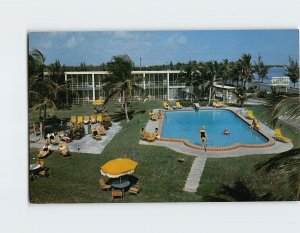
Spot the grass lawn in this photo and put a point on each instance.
(162, 179)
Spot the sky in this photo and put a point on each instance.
(161, 47)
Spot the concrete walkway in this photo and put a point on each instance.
(193, 180)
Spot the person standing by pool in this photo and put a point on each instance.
(203, 136)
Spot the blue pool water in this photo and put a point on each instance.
(186, 125)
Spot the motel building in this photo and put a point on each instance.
(158, 85)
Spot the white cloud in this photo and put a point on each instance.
(176, 39)
(71, 42)
(46, 44)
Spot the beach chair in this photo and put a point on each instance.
(179, 106)
(103, 185)
(280, 137)
(99, 118)
(41, 162)
(79, 119)
(86, 119)
(196, 105)
(250, 115)
(73, 119)
(135, 189)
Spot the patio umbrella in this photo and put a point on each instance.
(118, 167)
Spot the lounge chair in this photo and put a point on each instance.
(154, 117)
(44, 152)
(73, 119)
(41, 162)
(196, 105)
(135, 189)
(166, 105)
(86, 119)
(280, 137)
(217, 104)
(93, 119)
(179, 106)
(116, 193)
(79, 119)
(63, 150)
(99, 118)
(45, 172)
(99, 102)
(103, 185)
(250, 115)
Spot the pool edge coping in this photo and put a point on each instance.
(270, 142)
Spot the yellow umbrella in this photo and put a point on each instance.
(118, 167)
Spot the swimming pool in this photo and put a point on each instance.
(186, 125)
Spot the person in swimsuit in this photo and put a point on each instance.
(203, 136)
(226, 131)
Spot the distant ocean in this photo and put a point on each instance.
(275, 72)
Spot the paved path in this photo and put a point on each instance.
(193, 180)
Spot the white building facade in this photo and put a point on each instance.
(158, 85)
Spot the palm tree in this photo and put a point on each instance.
(261, 69)
(287, 107)
(286, 166)
(246, 71)
(189, 74)
(212, 74)
(292, 70)
(120, 81)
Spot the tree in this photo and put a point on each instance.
(212, 71)
(287, 107)
(246, 71)
(120, 81)
(286, 166)
(292, 70)
(189, 75)
(261, 69)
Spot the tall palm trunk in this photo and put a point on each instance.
(209, 97)
(191, 91)
(126, 112)
(123, 99)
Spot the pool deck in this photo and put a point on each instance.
(87, 144)
(277, 147)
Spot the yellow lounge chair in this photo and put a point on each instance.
(79, 119)
(280, 137)
(250, 115)
(154, 117)
(166, 105)
(93, 119)
(99, 102)
(178, 105)
(73, 119)
(99, 118)
(86, 119)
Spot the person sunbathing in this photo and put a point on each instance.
(95, 134)
(160, 115)
(157, 133)
(45, 151)
(64, 137)
(226, 131)
(255, 124)
(101, 129)
(63, 150)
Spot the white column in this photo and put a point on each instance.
(144, 81)
(168, 91)
(93, 81)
